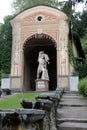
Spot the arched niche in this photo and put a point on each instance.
(32, 46)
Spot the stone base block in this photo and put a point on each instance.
(42, 85)
(74, 80)
(5, 83)
(63, 82)
(16, 84)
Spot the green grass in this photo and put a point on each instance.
(13, 102)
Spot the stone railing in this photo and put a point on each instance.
(38, 115)
(5, 92)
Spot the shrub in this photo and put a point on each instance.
(82, 70)
(82, 86)
(85, 90)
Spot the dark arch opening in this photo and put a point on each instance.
(32, 47)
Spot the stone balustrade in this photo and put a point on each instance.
(5, 92)
(37, 115)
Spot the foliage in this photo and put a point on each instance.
(78, 24)
(84, 44)
(77, 20)
(20, 5)
(71, 56)
(1, 72)
(82, 70)
(82, 86)
(5, 46)
(13, 102)
(85, 90)
(82, 24)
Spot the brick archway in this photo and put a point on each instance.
(32, 46)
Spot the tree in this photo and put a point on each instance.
(73, 17)
(20, 5)
(82, 31)
(83, 24)
(5, 46)
(77, 22)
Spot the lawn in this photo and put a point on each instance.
(13, 101)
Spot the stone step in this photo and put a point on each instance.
(73, 101)
(68, 91)
(72, 97)
(72, 92)
(72, 105)
(72, 112)
(72, 120)
(72, 126)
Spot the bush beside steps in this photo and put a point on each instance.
(82, 87)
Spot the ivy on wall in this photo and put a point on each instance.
(72, 60)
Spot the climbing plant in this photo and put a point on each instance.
(72, 60)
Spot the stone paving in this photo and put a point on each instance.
(72, 112)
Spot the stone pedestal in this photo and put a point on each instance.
(74, 80)
(5, 81)
(42, 85)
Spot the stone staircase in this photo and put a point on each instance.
(72, 112)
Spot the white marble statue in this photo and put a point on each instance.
(42, 72)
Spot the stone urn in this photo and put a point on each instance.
(31, 115)
(31, 105)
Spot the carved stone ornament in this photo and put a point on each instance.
(40, 17)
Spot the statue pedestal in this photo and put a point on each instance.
(42, 85)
